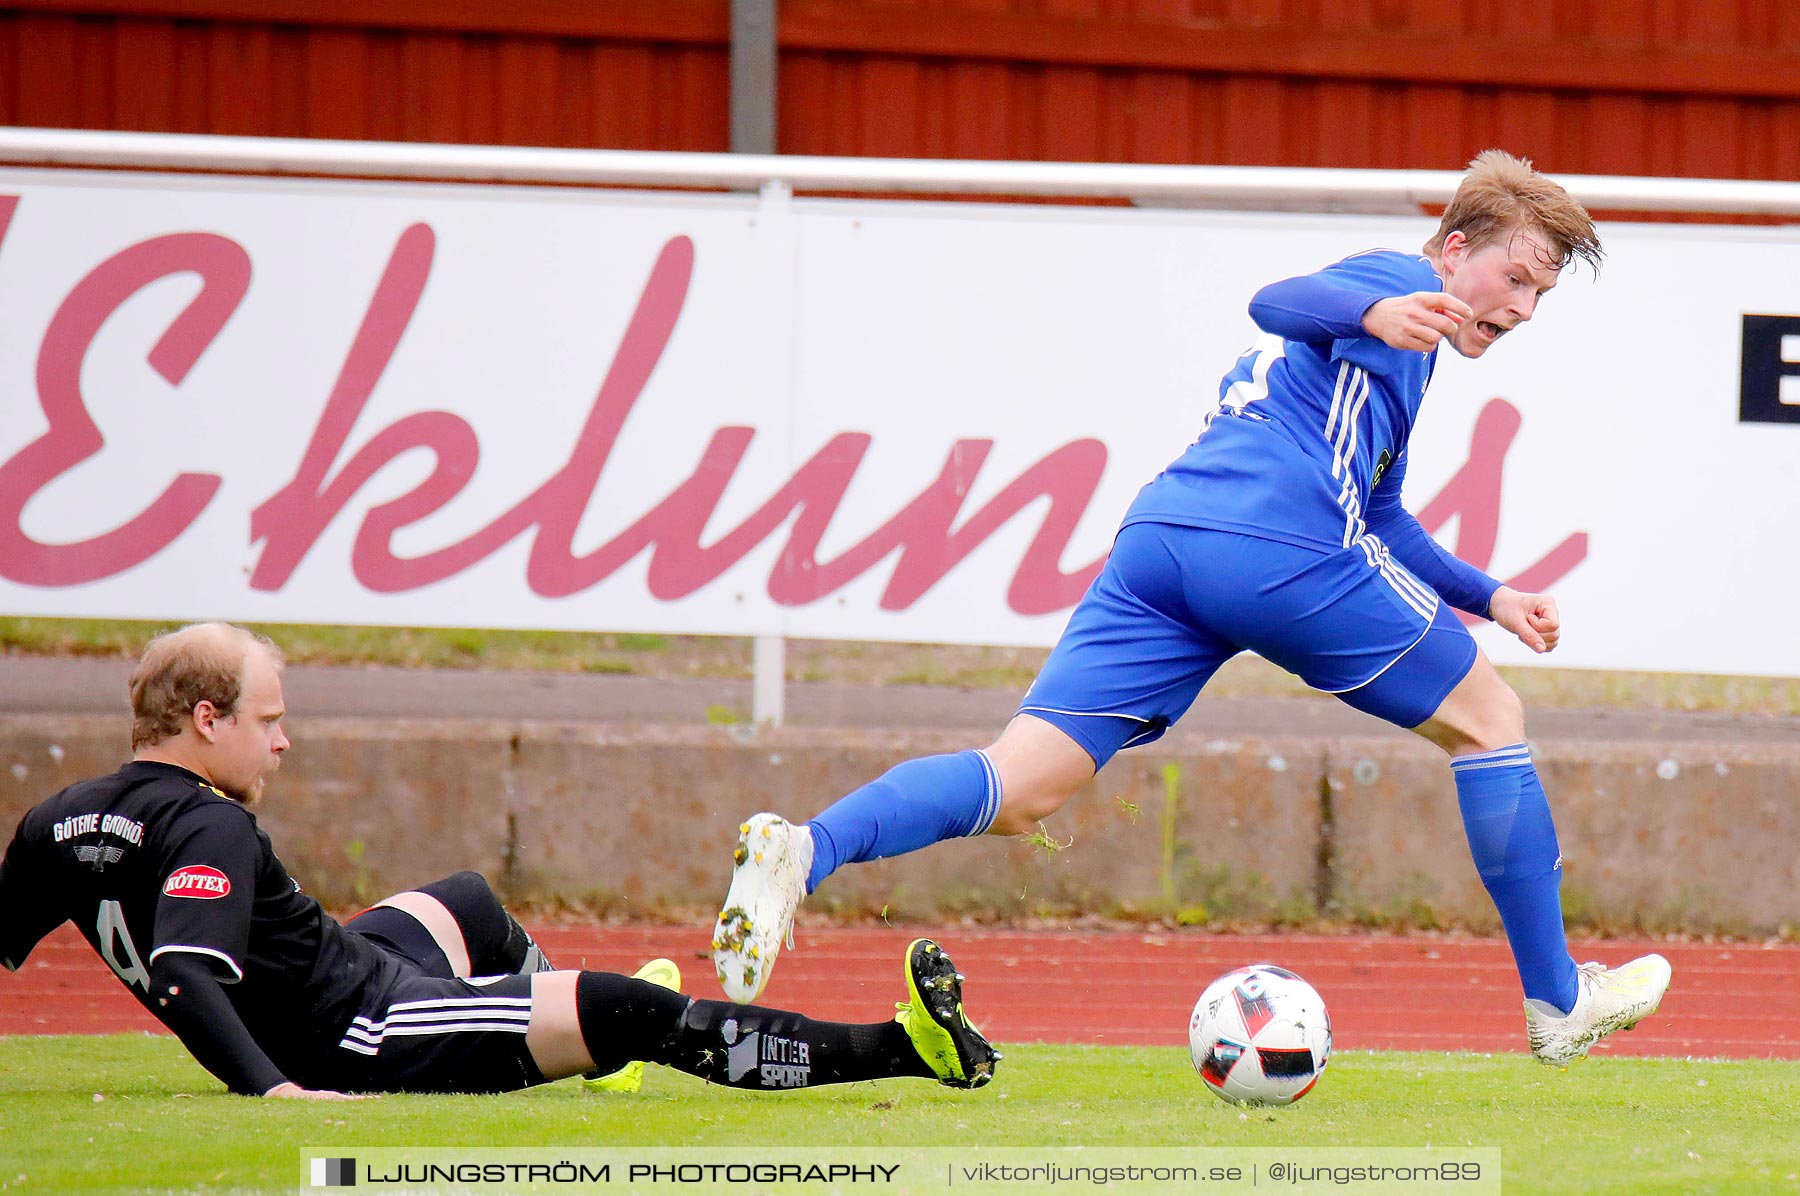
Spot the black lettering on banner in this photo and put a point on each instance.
(1769, 386)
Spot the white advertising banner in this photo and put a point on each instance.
(478, 406)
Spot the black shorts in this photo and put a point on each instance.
(421, 1029)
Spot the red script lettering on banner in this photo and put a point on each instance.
(292, 520)
(928, 534)
(72, 437)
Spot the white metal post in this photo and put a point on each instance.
(777, 236)
(769, 687)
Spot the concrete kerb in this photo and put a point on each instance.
(1274, 830)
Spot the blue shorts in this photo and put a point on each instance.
(1174, 603)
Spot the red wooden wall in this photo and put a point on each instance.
(1655, 87)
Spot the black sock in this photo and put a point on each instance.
(497, 944)
(748, 1046)
(624, 1019)
(520, 954)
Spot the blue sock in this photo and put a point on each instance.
(913, 805)
(1513, 840)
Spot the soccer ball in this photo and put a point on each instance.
(1260, 1036)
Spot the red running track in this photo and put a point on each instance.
(1113, 987)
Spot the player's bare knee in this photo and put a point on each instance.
(1040, 769)
(1492, 718)
(1033, 787)
(1500, 721)
(1034, 782)
(1022, 810)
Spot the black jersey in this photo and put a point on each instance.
(152, 859)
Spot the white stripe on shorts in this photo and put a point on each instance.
(1415, 593)
(448, 1015)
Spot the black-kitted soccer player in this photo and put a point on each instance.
(163, 869)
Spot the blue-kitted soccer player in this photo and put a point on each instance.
(1280, 531)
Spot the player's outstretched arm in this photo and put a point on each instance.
(1532, 617)
(1417, 321)
(1324, 306)
(187, 998)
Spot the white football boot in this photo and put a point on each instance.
(1605, 1001)
(772, 860)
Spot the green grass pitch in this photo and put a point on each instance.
(134, 1113)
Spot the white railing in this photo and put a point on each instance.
(1267, 187)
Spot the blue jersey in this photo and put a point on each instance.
(1308, 445)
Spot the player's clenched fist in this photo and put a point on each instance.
(1417, 321)
(1534, 618)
